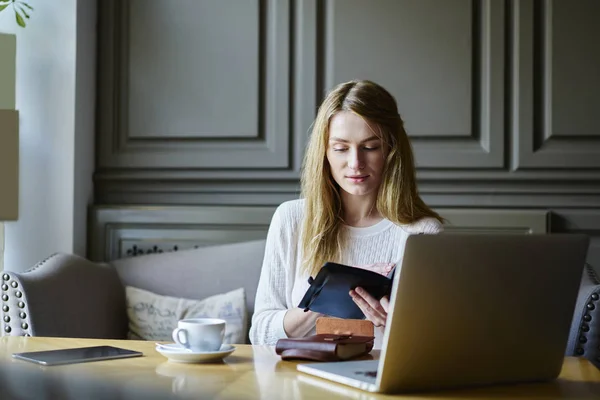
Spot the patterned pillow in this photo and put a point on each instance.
(153, 316)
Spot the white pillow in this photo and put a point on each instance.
(153, 316)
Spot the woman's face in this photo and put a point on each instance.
(355, 154)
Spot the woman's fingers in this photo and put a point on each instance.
(385, 303)
(380, 268)
(339, 332)
(370, 306)
(370, 301)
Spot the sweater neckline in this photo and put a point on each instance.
(369, 230)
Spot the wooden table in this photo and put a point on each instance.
(251, 372)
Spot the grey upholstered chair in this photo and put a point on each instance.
(68, 296)
(584, 339)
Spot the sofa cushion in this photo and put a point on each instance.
(153, 316)
(197, 273)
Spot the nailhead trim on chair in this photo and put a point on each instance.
(11, 286)
(39, 264)
(12, 325)
(584, 327)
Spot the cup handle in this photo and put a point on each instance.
(180, 336)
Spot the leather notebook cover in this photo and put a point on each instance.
(343, 326)
(325, 347)
(328, 291)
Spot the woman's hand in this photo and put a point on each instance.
(375, 310)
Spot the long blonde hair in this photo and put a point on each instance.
(398, 200)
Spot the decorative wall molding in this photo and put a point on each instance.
(122, 231)
(475, 32)
(114, 229)
(266, 147)
(461, 175)
(296, 72)
(296, 40)
(437, 193)
(538, 70)
(498, 94)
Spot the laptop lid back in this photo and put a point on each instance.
(476, 309)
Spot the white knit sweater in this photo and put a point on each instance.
(282, 285)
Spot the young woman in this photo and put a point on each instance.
(359, 205)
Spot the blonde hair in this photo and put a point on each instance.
(398, 200)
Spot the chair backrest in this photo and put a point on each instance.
(197, 273)
(65, 295)
(584, 338)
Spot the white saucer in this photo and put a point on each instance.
(178, 353)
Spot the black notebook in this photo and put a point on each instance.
(329, 291)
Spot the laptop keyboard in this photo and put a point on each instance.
(370, 374)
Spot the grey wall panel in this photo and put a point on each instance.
(556, 85)
(376, 39)
(126, 231)
(181, 94)
(442, 61)
(156, 88)
(574, 53)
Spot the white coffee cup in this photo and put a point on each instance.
(200, 334)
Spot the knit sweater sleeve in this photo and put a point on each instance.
(432, 226)
(270, 303)
(428, 226)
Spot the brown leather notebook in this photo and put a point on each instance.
(325, 347)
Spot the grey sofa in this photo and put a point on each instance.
(69, 296)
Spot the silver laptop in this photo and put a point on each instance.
(472, 310)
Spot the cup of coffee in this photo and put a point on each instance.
(200, 334)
